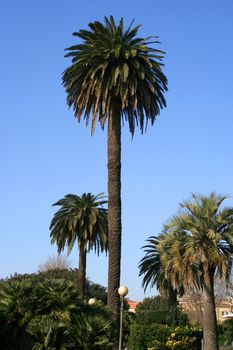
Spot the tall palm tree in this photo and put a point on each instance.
(202, 248)
(115, 75)
(151, 267)
(83, 220)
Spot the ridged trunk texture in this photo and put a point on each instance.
(82, 271)
(114, 211)
(210, 335)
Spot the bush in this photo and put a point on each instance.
(163, 337)
(184, 338)
(158, 310)
(225, 331)
(145, 336)
(48, 314)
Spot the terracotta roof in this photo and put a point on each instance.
(132, 304)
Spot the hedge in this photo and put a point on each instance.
(163, 337)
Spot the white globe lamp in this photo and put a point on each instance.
(123, 291)
(92, 301)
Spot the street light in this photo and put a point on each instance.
(92, 301)
(122, 291)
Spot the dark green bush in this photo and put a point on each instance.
(48, 314)
(158, 310)
(225, 331)
(143, 336)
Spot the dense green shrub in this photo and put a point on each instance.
(160, 326)
(225, 331)
(164, 337)
(48, 314)
(184, 338)
(158, 310)
(144, 336)
(92, 289)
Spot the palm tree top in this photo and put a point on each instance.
(84, 200)
(82, 219)
(206, 231)
(113, 67)
(202, 214)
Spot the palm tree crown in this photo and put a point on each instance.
(205, 232)
(113, 66)
(82, 219)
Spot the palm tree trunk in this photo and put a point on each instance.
(114, 211)
(209, 315)
(82, 271)
(172, 295)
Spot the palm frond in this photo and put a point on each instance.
(113, 64)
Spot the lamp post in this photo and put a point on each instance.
(122, 291)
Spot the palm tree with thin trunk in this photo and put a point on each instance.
(114, 76)
(84, 220)
(202, 249)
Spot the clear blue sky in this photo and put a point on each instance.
(46, 154)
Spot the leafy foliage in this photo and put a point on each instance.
(112, 66)
(164, 337)
(201, 237)
(198, 239)
(152, 268)
(158, 310)
(226, 332)
(48, 314)
(82, 219)
(91, 332)
(153, 324)
(92, 289)
(184, 338)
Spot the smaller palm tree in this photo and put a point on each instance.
(82, 220)
(202, 249)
